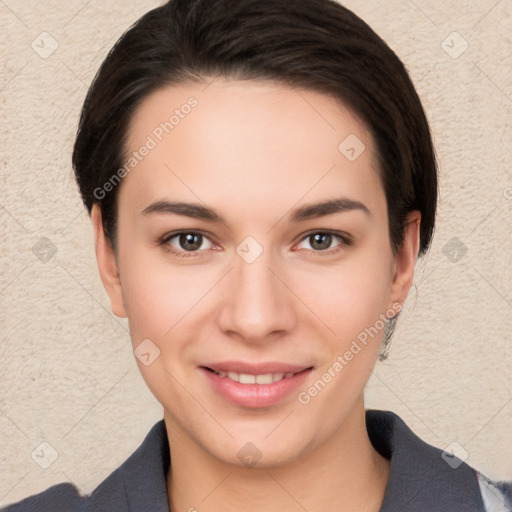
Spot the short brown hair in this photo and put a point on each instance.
(316, 44)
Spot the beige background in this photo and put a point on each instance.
(68, 376)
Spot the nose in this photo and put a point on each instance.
(257, 305)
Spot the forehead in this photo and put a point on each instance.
(262, 104)
(265, 137)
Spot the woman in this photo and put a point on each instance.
(261, 180)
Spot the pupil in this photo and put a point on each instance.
(321, 241)
(190, 241)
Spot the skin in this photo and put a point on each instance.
(254, 152)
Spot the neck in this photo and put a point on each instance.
(345, 474)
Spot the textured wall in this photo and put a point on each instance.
(68, 376)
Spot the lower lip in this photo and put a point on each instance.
(255, 395)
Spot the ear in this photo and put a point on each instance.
(107, 264)
(405, 259)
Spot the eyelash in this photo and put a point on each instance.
(345, 240)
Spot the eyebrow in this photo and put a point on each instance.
(312, 211)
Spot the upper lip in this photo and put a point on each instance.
(256, 368)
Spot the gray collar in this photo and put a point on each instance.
(420, 479)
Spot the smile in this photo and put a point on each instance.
(246, 378)
(255, 386)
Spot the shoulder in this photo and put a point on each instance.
(138, 484)
(58, 497)
(424, 477)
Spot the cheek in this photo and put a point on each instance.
(163, 304)
(162, 299)
(350, 297)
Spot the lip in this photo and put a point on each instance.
(255, 395)
(256, 368)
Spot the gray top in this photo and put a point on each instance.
(422, 478)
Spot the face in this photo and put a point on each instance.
(253, 256)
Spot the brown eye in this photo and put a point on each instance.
(320, 241)
(324, 240)
(189, 242)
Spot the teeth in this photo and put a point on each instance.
(245, 378)
(233, 376)
(268, 378)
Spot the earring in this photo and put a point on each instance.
(389, 328)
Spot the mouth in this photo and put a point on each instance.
(253, 386)
(249, 378)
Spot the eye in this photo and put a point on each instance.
(188, 241)
(323, 241)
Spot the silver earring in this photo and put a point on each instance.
(386, 337)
